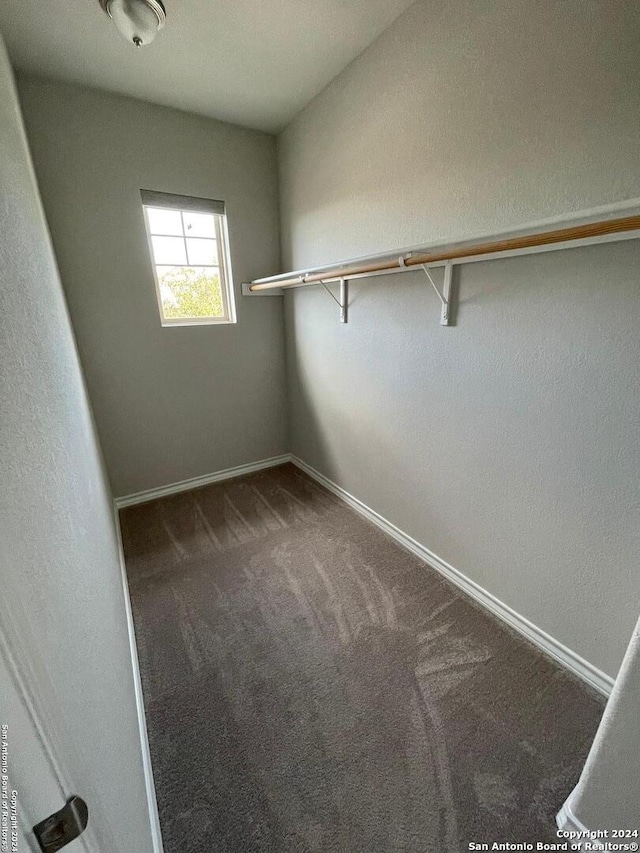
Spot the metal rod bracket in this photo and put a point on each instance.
(445, 296)
(343, 301)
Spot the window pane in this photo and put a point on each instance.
(164, 221)
(169, 250)
(190, 292)
(198, 224)
(202, 252)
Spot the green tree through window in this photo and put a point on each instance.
(189, 292)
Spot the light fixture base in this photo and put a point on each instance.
(156, 5)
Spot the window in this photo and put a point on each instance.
(190, 257)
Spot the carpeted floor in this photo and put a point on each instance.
(310, 686)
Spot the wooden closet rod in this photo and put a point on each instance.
(469, 250)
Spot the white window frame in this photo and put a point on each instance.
(183, 204)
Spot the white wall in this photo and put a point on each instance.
(508, 444)
(170, 403)
(465, 118)
(63, 609)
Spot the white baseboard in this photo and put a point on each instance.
(568, 822)
(568, 658)
(196, 482)
(147, 770)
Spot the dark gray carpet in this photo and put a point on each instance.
(311, 686)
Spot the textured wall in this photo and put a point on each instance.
(508, 444)
(63, 611)
(466, 118)
(170, 403)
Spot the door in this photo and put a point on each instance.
(70, 693)
(32, 786)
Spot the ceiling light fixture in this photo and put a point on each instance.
(137, 20)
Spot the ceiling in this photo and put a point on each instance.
(253, 62)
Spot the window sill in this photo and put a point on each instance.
(168, 324)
